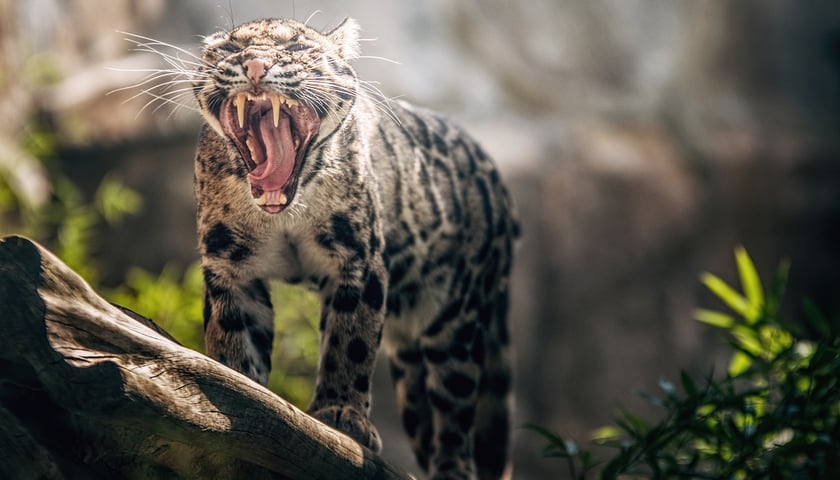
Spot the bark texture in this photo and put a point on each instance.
(90, 390)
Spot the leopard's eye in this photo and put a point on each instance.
(297, 47)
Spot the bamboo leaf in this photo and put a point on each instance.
(688, 384)
(751, 284)
(739, 364)
(730, 297)
(605, 434)
(713, 318)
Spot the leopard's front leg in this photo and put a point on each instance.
(238, 322)
(351, 330)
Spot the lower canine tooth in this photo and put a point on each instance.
(252, 149)
(261, 200)
(283, 200)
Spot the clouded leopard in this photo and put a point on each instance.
(394, 216)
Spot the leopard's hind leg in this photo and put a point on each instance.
(408, 373)
(493, 409)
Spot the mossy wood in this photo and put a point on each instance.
(90, 390)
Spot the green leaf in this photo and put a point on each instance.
(815, 317)
(633, 424)
(730, 297)
(115, 201)
(688, 384)
(552, 438)
(739, 364)
(751, 284)
(605, 434)
(748, 339)
(713, 318)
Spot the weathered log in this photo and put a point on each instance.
(88, 390)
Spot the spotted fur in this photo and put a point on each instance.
(397, 219)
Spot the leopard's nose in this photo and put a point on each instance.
(255, 70)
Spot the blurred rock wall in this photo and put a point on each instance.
(643, 140)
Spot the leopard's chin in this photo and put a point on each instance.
(271, 133)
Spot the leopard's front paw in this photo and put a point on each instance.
(352, 422)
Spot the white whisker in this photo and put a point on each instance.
(151, 42)
(375, 57)
(311, 16)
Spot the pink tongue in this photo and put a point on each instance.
(275, 171)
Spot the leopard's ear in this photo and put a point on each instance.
(346, 38)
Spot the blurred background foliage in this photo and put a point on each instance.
(774, 412)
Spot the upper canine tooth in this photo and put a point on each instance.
(275, 109)
(239, 101)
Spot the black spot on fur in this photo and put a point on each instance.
(465, 419)
(346, 299)
(491, 445)
(373, 295)
(435, 355)
(487, 209)
(399, 269)
(357, 351)
(262, 339)
(410, 421)
(440, 144)
(451, 439)
(325, 240)
(497, 384)
(362, 383)
(374, 242)
(459, 384)
(410, 294)
(207, 310)
(258, 291)
(345, 234)
(230, 320)
(412, 357)
(394, 304)
(211, 284)
(474, 302)
(465, 333)
(460, 353)
(330, 364)
(397, 373)
(439, 401)
(330, 393)
(449, 313)
(239, 253)
(478, 348)
(218, 239)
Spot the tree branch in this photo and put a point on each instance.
(87, 389)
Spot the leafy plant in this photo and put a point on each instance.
(775, 414)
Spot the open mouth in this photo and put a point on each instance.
(272, 133)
